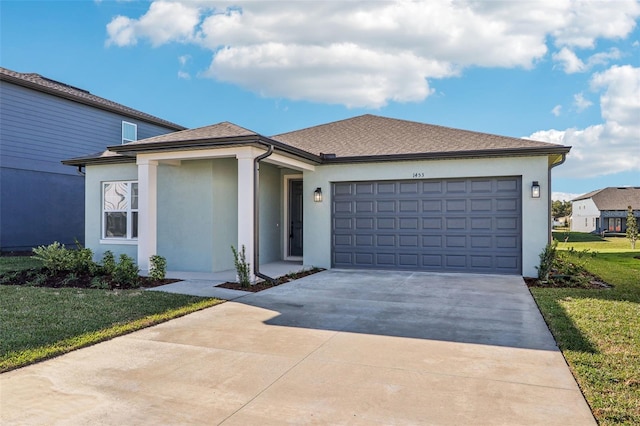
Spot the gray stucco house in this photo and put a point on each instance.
(605, 209)
(42, 122)
(365, 192)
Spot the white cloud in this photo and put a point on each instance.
(569, 61)
(563, 196)
(184, 59)
(557, 110)
(164, 22)
(612, 146)
(370, 53)
(580, 102)
(184, 75)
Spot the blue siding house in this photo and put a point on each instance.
(42, 122)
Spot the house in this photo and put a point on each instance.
(605, 209)
(365, 192)
(43, 122)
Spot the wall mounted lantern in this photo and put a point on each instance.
(535, 189)
(317, 195)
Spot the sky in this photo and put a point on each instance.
(559, 71)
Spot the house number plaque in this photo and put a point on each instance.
(418, 175)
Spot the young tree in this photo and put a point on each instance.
(632, 228)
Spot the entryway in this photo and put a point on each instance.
(294, 218)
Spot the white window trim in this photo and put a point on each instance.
(117, 240)
(135, 127)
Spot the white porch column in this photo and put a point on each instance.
(245, 206)
(147, 210)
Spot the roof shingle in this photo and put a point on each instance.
(371, 135)
(614, 198)
(56, 88)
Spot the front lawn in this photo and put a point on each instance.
(598, 331)
(37, 323)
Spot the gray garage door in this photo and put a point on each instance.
(450, 225)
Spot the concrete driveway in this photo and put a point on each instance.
(338, 347)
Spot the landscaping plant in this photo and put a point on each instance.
(126, 272)
(242, 267)
(632, 228)
(158, 269)
(547, 258)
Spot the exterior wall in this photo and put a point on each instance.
(95, 175)
(197, 213)
(584, 216)
(270, 208)
(535, 212)
(37, 131)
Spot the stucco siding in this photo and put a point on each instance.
(535, 226)
(270, 207)
(185, 219)
(95, 175)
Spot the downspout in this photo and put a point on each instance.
(256, 214)
(564, 158)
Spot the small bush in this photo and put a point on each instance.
(242, 267)
(54, 257)
(158, 269)
(126, 272)
(108, 262)
(100, 283)
(547, 257)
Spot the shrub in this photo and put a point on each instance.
(100, 283)
(108, 262)
(632, 228)
(158, 269)
(54, 257)
(547, 258)
(82, 261)
(126, 272)
(242, 267)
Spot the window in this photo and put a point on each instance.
(120, 210)
(129, 132)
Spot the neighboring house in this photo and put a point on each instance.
(42, 122)
(605, 209)
(368, 192)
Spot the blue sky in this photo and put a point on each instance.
(559, 71)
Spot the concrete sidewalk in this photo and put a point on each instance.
(337, 347)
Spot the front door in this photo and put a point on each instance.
(295, 218)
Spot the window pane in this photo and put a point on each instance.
(134, 225)
(115, 196)
(115, 225)
(134, 196)
(129, 132)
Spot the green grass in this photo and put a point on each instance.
(17, 263)
(598, 331)
(37, 323)
(582, 241)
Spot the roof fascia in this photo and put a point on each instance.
(70, 97)
(516, 152)
(254, 140)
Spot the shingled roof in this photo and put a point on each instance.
(62, 90)
(614, 198)
(370, 135)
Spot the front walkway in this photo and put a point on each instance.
(337, 347)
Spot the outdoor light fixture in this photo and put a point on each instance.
(317, 195)
(535, 189)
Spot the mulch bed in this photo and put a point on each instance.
(264, 285)
(42, 278)
(593, 283)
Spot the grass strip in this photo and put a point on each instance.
(21, 358)
(598, 332)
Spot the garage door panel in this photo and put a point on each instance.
(457, 225)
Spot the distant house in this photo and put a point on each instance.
(42, 122)
(605, 209)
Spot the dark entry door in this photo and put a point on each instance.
(295, 218)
